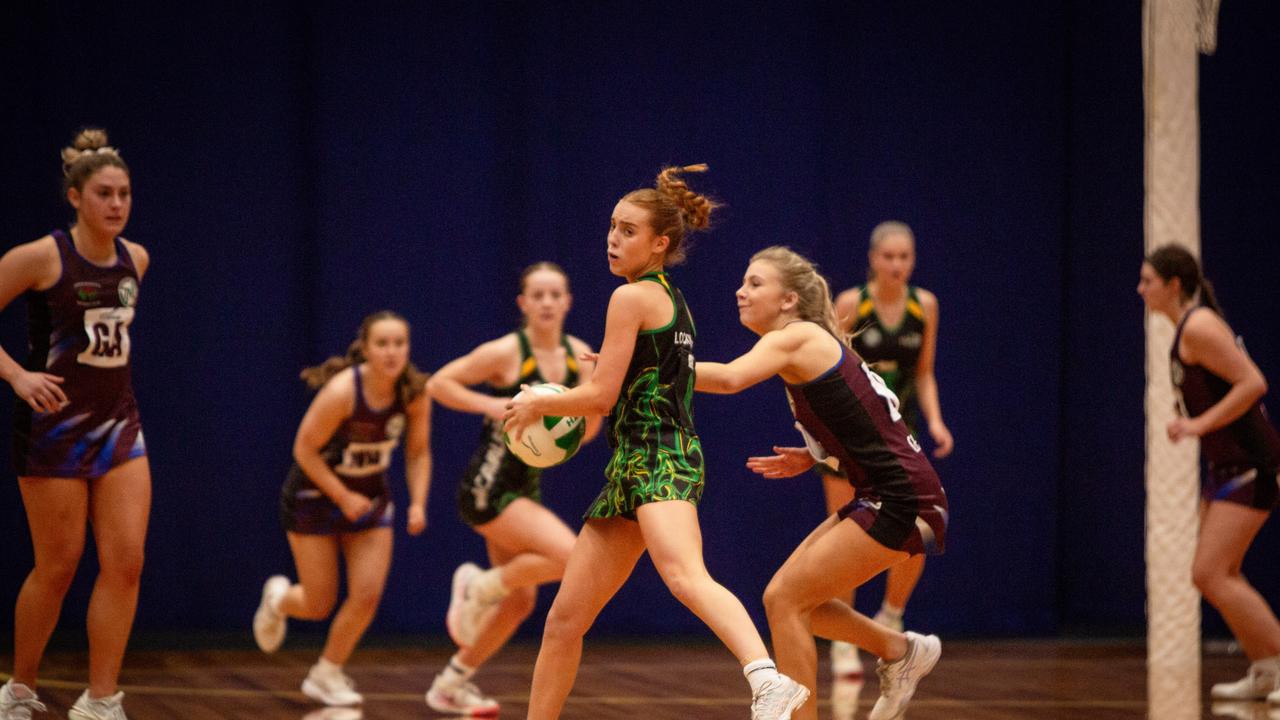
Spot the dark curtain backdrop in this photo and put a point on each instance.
(298, 167)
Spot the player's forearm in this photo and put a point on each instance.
(418, 480)
(927, 392)
(1233, 405)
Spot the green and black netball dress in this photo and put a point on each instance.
(892, 352)
(656, 453)
(495, 478)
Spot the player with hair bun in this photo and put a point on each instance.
(77, 446)
(644, 380)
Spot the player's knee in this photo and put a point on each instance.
(564, 625)
(123, 567)
(56, 570)
(365, 597)
(316, 605)
(560, 557)
(1208, 578)
(682, 583)
(776, 597)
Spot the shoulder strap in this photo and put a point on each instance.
(355, 377)
(1177, 335)
(126, 258)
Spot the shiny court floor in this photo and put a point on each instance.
(655, 681)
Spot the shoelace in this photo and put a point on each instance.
(770, 698)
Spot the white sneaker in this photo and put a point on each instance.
(1262, 681)
(17, 701)
(778, 698)
(269, 624)
(893, 622)
(1274, 697)
(333, 687)
(460, 699)
(898, 679)
(845, 662)
(465, 611)
(107, 708)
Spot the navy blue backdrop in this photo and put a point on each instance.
(297, 168)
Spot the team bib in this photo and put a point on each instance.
(108, 331)
(361, 459)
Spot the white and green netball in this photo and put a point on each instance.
(551, 440)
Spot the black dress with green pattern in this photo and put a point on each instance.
(656, 452)
(495, 477)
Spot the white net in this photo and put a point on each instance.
(1171, 33)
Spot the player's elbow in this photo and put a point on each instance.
(434, 384)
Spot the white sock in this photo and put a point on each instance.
(759, 672)
(456, 672)
(891, 611)
(488, 587)
(325, 667)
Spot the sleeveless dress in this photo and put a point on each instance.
(79, 330)
(495, 477)
(1244, 456)
(359, 453)
(657, 455)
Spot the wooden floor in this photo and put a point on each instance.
(974, 681)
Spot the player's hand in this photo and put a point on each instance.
(520, 414)
(354, 505)
(788, 462)
(1183, 427)
(943, 443)
(40, 391)
(417, 521)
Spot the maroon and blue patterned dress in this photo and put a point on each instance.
(359, 453)
(79, 330)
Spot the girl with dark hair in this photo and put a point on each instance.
(1219, 394)
(846, 412)
(78, 446)
(336, 500)
(644, 380)
(500, 497)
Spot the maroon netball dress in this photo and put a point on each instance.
(1242, 457)
(79, 330)
(849, 413)
(359, 453)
